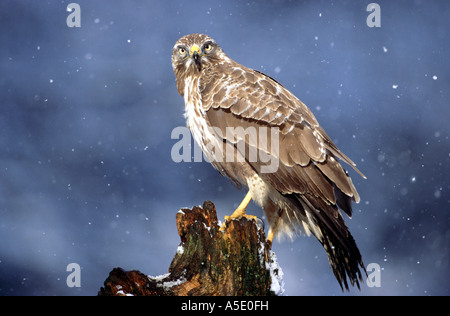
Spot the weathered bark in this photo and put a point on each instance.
(236, 261)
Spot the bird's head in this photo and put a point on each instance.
(193, 53)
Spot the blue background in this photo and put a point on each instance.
(86, 116)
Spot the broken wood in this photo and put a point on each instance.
(236, 261)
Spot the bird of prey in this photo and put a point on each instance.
(245, 122)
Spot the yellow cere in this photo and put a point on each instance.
(195, 48)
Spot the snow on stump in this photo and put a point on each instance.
(236, 261)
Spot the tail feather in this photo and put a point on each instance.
(325, 222)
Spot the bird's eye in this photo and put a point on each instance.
(182, 51)
(207, 47)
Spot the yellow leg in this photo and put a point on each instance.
(240, 211)
(270, 236)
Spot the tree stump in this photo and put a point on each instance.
(236, 261)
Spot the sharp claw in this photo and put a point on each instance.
(248, 217)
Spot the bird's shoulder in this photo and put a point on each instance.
(249, 93)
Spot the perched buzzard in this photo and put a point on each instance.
(257, 133)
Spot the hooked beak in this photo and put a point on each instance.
(195, 53)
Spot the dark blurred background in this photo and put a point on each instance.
(86, 116)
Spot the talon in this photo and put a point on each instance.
(229, 218)
(250, 217)
(240, 211)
